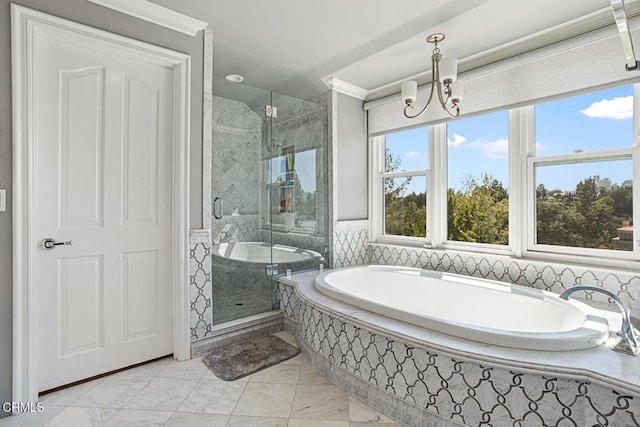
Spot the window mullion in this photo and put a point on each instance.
(437, 186)
(376, 187)
(635, 158)
(521, 144)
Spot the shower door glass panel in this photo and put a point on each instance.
(297, 185)
(269, 180)
(241, 251)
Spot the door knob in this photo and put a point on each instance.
(50, 243)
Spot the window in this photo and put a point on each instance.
(582, 174)
(293, 191)
(399, 180)
(405, 183)
(579, 205)
(554, 180)
(478, 178)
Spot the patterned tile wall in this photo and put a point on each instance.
(419, 386)
(201, 311)
(350, 243)
(351, 247)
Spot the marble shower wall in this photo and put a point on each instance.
(239, 168)
(237, 228)
(237, 138)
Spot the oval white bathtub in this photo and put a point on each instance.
(466, 307)
(259, 252)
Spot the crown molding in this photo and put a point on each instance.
(156, 14)
(345, 88)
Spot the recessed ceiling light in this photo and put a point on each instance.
(234, 78)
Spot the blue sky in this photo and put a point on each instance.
(477, 145)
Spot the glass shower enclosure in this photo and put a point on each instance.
(269, 192)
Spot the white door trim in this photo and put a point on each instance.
(25, 25)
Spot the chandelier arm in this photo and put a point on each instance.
(456, 113)
(444, 102)
(433, 80)
(447, 91)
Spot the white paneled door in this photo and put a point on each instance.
(103, 153)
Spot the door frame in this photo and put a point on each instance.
(26, 23)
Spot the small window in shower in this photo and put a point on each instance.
(292, 186)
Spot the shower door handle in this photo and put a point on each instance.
(218, 201)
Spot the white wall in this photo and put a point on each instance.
(350, 159)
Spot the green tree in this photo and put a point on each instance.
(586, 217)
(394, 187)
(405, 215)
(478, 212)
(557, 224)
(622, 195)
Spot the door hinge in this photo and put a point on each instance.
(270, 111)
(272, 269)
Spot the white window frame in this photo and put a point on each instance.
(568, 159)
(443, 242)
(604, 257)
(522, 224)
(377, 176)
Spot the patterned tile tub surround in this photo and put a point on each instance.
(422, 385)
(200, 284)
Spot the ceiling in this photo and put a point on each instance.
(293, 47)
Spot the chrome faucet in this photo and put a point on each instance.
(629, 336)
(226, 236)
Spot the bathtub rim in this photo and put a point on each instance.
(582, 338)
(600, 365)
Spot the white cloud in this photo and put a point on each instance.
(488, 150)
(495, 149)
(457, 140)
(616, 109)
(414, 154)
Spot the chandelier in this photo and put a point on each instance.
(443, 76)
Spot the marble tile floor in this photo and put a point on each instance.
(170, 393)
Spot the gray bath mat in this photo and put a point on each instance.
(244, 358)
